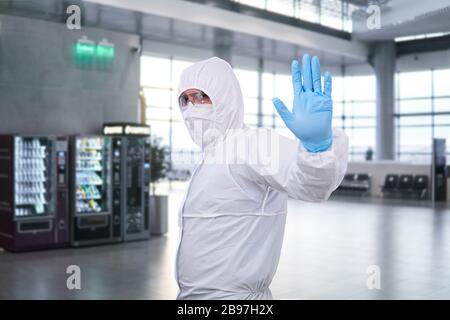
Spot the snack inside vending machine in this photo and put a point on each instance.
(33, 192)
(91, 212)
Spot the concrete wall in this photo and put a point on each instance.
(43, 91)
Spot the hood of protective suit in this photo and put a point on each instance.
(216, 78)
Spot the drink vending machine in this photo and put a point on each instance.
(92, 221)
(131, 178)
(33, 192)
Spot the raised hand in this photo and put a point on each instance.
(310, 119)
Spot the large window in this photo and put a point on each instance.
(355, 112)
(248, 81)
(276, 85)
(159, 80)
(422, 112)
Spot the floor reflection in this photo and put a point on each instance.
(326, 252)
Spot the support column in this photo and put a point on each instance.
(384, 60)
(222, 44)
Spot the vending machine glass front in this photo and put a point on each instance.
(33, 184)
(92, 175)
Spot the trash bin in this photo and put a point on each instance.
(158, 215)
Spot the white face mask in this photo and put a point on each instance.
(201, 123)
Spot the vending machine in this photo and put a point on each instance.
(91, 212)
(131, 178)
(33, 192)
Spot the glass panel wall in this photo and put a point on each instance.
(422, 112)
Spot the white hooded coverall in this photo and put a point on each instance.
(232, 217)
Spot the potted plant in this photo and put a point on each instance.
(369, 154)
(158, 203)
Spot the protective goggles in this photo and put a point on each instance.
(195, 97)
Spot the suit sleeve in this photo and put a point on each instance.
(285, 165)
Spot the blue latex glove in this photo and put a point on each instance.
(310, 119)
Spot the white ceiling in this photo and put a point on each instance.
(250, 36)
(235, 22)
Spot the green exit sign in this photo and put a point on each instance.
(105, 51)
(84, 49)
(88, 54)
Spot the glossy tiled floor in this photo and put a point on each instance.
(327, 250)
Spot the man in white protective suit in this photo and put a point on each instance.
(233, 215)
